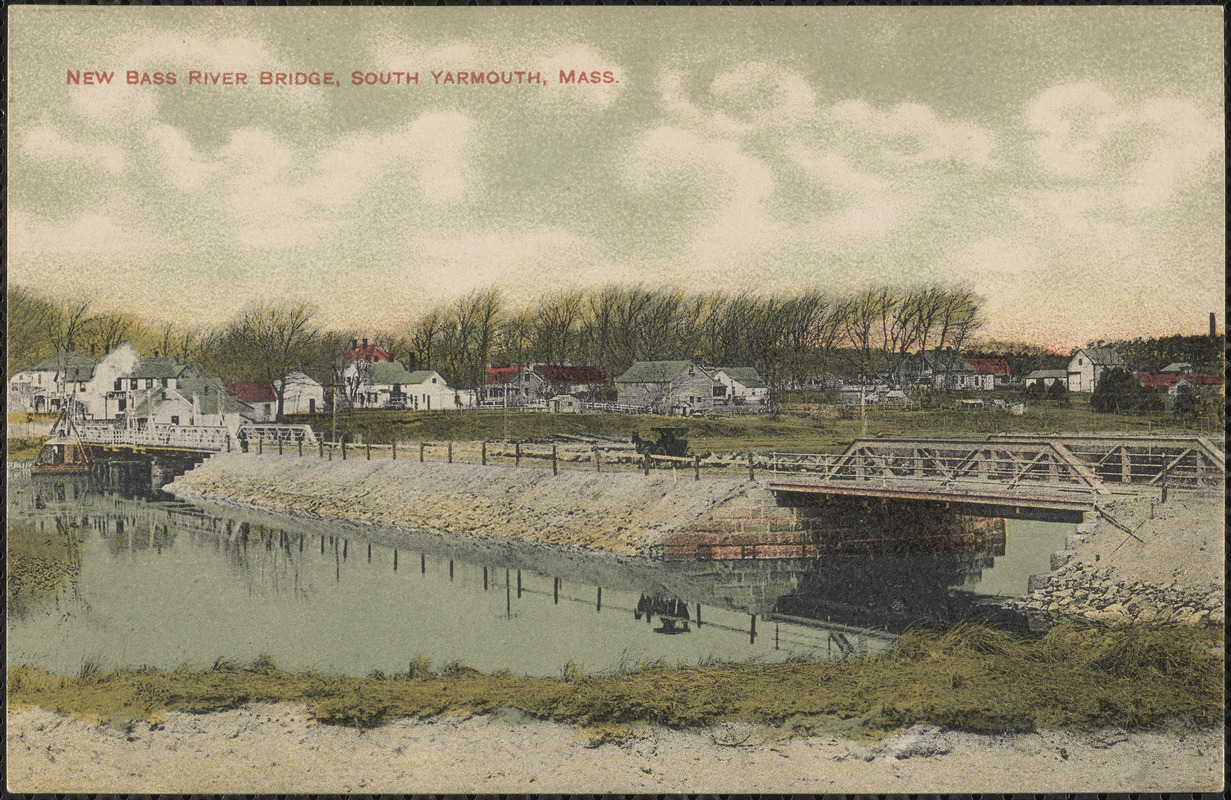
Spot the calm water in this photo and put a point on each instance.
(129, 578)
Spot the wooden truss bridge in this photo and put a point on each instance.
(1054, 473)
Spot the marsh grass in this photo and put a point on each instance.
(967, 676)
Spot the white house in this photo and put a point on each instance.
(1088, 366)
(102, 399)
(302, 394)
(388, 384)
(744, 386)
(201, 402)
(49, 384)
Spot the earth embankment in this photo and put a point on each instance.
(624, 513)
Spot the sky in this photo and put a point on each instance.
(1066, 163)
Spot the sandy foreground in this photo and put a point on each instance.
(277, 748)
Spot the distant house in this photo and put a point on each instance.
(1088, 366)
(388, 384)
(670, 387)
(260, 395)
(944, 369)
(1047, 377)
(360, 350)
(1172, 383)
(198, 401)
(302, 394)
(743, 386)
(51, 383)
(520, 386)
(1178, 366)
(872, 395)
(991, 372)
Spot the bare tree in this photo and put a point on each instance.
(275, 340)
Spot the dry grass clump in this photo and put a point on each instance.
(967, 676)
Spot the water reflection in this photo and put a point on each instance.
(145, 579)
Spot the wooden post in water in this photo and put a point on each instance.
(450, 569)
(696, 468)
(598, 603)
(555, 467)
(422, 563)
(483, 455)
(485, 579)
(395, 559)
(518, 584)
(698, 615)
(369, 552)
(555, 589)
(752, 631)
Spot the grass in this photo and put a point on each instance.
(967, 676)
(818, 430)
(23, 449)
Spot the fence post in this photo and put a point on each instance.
(598, 464)
(752, 475)
(645, 463)
(555, 469)
(343, 448)
(395, 451)
(450, 451)
(301, 448)
(483, 456)
(422, 447)
(517, 454)
(367, 444)
(260, 447)
(696, 467)
(279, 445)
(228, 442)
(320, 445)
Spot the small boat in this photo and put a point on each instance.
(63, 453)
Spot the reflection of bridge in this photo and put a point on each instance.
(1001, 474)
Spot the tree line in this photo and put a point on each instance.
(788, 337)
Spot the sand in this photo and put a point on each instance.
(277, 748)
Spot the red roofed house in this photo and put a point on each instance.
(258, 394)
(362, 351)
(992, 372)
(533, 385)
(1172, 383)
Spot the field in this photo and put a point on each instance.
(800, 428)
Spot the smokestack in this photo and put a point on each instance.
(1213, 326)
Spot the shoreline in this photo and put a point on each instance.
(276, 748)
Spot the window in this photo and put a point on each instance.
(434, 380)
(132, 383)
(175, 420)
(149, 383)
(123, 404)
(267, 409)
(1080, 362)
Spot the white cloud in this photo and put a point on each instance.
(761, 95)
(911, 133)
(1140, 155)
(88, 234)
(44, 143)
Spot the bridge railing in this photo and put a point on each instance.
(189, 437)
(272, 434)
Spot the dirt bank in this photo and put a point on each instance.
(1140, 560)
(277, 748)
(622, 513)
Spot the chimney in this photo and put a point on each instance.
(365, 342)
(354, 343)
(1213, 326)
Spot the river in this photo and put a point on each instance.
(128, 576)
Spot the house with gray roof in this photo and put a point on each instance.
(744, 388)
(49, 384)
(388, 384)
(670, 387)
(1089, 364)
(945, 369)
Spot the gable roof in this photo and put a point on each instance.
(502, 374)
(655, 371)
(367, 352)
(990, 365)
(560, 373)
(75, 366)
(1102, 356)
(253, 391)
(935, 361)
(387, 373)
(1047, 373)
(1177, 366)
(423, 375)
(748, 376)
(162, 368)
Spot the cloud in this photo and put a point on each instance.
(1140, 154)
(761, 95)
(87, 234)
(46, 144)
(911, 134)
